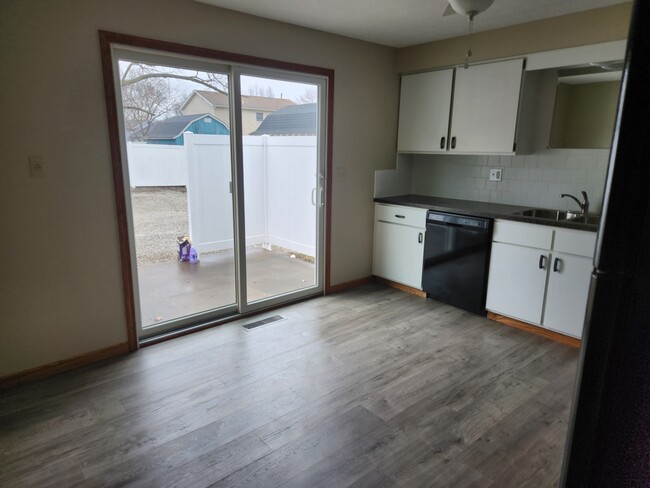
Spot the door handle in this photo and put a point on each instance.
(556, 265)
(542, 261)
(420, 238)
(313, 196)
(442, 142)
(453, 142)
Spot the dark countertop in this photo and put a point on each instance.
(479, 209)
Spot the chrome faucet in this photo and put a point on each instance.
(584, 205)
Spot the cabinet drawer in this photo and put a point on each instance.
(397, 214)
(523, 234)
(580, 242)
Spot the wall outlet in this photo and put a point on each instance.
(496, 174)
(339, 173)
(36, 167)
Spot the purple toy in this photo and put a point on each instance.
(184, 248)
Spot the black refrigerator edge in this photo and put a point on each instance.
(608, 443)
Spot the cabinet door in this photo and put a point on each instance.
(516, 282)
(425, 100)
(486, 101)
(398, 254)
(566, 298)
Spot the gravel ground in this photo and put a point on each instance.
(159, 216)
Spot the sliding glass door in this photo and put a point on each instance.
(223, 170)
(283, 185)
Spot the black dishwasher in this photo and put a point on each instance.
(456, 259)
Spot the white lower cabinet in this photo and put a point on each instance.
(399, 244)
(541, 275)
(516, 285)
(568, 289)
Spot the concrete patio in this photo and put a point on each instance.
(170, 290)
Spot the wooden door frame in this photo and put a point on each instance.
(106, 41)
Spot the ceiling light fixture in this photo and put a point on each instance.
(469, 8)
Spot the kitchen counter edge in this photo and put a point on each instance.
(473, 208)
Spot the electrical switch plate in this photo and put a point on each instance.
(496, 174)
(36, 167)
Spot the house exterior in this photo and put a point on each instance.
(296, 120)
(254, 109)
(170, 131)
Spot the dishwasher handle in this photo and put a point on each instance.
(476, 224)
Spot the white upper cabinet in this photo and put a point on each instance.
(425, 100)
(485, 106)
(483, 111)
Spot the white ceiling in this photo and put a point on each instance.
(400, 23)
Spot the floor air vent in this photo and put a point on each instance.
(262, 322)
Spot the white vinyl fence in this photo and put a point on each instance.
(279, 183)
(156, 165)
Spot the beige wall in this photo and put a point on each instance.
(589, 27)
(249, 122)
(249, 117)
(61, 288)
(198, 105)
(61, 292)
(585, 114)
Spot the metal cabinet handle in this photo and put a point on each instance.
(542, 261)
(556, 265)
(400, 216)
(442, 142)
(313, 196)
(420, 238)
(453, 142)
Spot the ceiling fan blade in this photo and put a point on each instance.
(449, 11)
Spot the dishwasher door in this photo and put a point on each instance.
(456, 260)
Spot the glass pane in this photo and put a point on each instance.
(176, 125)
(280, 144)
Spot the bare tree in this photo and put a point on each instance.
(148, 95)
(259, 91)
(309, 96)
(137, 72)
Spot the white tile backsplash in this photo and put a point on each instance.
(532, 180)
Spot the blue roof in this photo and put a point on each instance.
(294, 120)
(173, 127)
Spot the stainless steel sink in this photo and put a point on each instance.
(545, 213)
(587, 219)
(560, 215)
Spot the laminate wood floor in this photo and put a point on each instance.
(368, 388)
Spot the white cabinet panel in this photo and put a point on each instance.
(398, 214)
(485, 107)
(516, 282)
(554, 297)
(578, 242)
(523, 234)
(425, 100)
(566, 298)
(398, 253)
